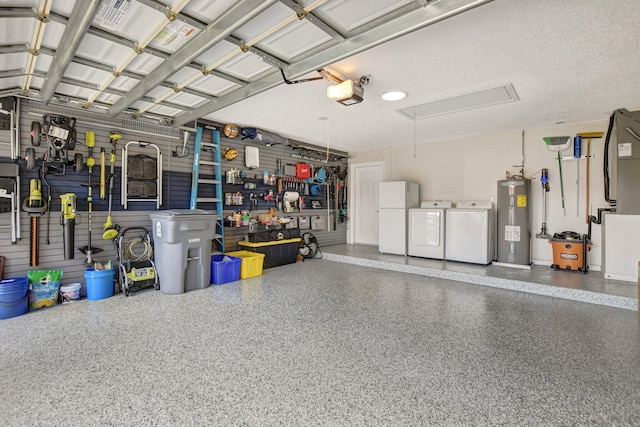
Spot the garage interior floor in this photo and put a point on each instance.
(326, 343)
(539, 279)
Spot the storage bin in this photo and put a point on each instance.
(224, 268)
(99, 283)
(14, 297)
(304, 223)
(317, 222)
(292, 224)
(276, 253)
(251, 265)
(271, 235)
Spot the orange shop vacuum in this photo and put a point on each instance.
(570, 251)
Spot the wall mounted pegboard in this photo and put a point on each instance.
(278, 161)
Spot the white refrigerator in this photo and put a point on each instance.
(395, 200)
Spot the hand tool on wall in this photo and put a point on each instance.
(68, 222)
(577, 147)
(558, 144)
(110, 230)
(336, 201)
(88, 251)
(43, 174)
(544, 180)
(36, 205)
(343, 209)
(328, 208)
(588, 136)
(103, 174)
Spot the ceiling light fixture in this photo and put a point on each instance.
(394, 95)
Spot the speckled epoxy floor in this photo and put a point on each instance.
(323, 343)
(538, 279)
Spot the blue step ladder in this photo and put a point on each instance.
(208, 191)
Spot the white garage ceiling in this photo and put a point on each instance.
(180, 60)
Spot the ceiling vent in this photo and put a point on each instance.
(464, 102)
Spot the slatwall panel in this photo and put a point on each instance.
(51, 255)
(176, 182)
(268, 162)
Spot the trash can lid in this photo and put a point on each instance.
(179, 212)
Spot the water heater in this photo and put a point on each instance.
(514, 236)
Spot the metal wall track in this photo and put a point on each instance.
(177, 182)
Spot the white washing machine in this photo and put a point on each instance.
(471, 229)
(427, 230)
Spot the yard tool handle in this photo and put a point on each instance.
(102, 174)
(561, 183)
(131, 229)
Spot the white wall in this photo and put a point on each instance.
(469, 168)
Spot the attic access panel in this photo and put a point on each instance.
(463, 102)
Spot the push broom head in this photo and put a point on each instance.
(557, 143)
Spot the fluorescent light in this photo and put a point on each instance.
(346, 93)
(463, 102)
(394, 95)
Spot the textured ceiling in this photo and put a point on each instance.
(178, 60)
(569, 61)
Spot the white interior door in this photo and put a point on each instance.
(364, 193)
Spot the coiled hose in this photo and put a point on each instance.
(137, 249)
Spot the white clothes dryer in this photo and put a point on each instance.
(471, 229)
(427, 229)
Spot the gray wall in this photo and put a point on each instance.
(176, 183)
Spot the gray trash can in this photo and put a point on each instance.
(182, 246)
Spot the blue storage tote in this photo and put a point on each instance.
(224, 268)
(14, 297)
(100, 283)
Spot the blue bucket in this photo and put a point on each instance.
(14, 297)
(99, 283)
